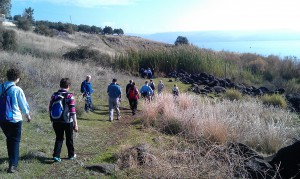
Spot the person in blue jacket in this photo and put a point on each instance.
(114, 93)
(146, 91)
(87, 90)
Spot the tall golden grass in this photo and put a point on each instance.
(247, 121)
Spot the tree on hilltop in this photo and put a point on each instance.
(28, 14)
(107, 30)
(181, 41)
(5, 6)
(119, 31)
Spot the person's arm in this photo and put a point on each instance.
(22, 102)
(75, 123)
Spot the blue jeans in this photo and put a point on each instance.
(12, 131)
(88, 103)
(59, 129)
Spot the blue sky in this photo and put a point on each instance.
(154, 16)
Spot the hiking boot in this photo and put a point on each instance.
(74, 157)
(118, 118)
(12, 169)
(56, 159)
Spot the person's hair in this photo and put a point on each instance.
(114, 80)
(130, 81)
(88, 76)
(13, 74)
(65, 83)
(150, 80)
(133, 84)
(146, 82)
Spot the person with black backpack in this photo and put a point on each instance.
(12, 103)
(63, 117)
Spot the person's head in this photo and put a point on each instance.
(130, 81)
(114, 80)
(160, 81)
(65, 83)
(151, 81)
(175, 85)
(133, 84)
(13, 74)
(88, 77)
(146, 82)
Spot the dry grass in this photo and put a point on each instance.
(250, 122)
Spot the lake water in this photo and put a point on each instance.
(265, 48)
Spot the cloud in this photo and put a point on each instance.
(91, 3)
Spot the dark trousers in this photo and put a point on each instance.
(60, 129)
(88, 103)
(133, 105)
(12, 131)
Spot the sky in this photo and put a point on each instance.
(156, 16)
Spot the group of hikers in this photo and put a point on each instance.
(62, 110)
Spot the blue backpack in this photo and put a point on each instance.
(58, 108)
(6, 112)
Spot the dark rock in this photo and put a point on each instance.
(107, 169)
(287, 160)
(254, 164)
(219, 89)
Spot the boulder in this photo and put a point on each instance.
(287, 160)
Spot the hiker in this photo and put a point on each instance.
(128, 86)
(133, 98)
(143, 72)
(160, 87)
(146, 91)
(11, 117)
(63, 117)
(175, 90)
(152, 86)
(87, 90)
(114, 93)
(149, 73)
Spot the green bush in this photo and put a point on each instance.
(9, 40)
(172, 127)
(232, 94)
(43, 30)
(274, 100)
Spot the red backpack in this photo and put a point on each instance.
(133, 94)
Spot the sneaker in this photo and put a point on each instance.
(74, 157)
(56, 159)
(118, 118)
(12, 169)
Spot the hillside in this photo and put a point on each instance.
(191, 136)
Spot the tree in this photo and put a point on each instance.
(118, 31)
(5, 6)
(107, 30)
(24, 24)
(28, 14)
(181, 41)
(17, 17)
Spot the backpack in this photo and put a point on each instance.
(133, 94)
(58, 108)
(152, 86)
(6, 112)
(82, 87)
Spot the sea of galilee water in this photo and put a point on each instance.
(289, 48)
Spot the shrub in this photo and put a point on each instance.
(232, 94)
(274, 100)
(24, 24)
(43, 30)
(9, 40)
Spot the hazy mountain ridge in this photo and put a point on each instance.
(225, 36)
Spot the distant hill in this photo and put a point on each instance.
(224, 36)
